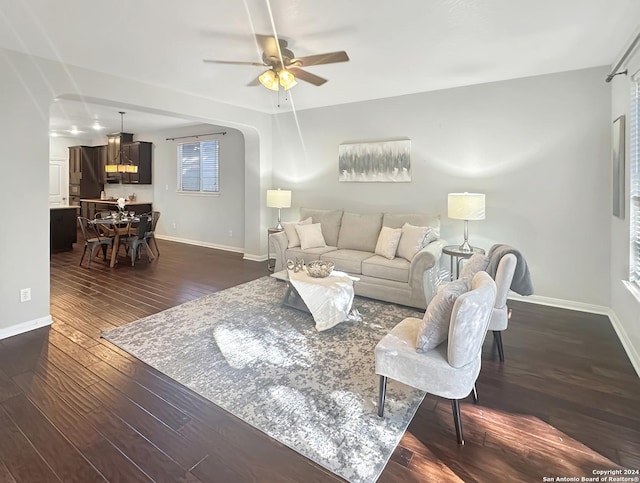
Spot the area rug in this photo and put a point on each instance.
(315, 392)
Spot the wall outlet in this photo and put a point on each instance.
(174, 225)
(25, 294)
(230, 232)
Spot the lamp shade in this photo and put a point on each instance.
(278, 198)
(466, 206)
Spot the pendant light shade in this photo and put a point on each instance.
(273, 80)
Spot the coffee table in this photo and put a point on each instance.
(328, 299)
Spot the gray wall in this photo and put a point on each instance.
(625, 306)
(202, 219)
(29, 85)
(538, 147)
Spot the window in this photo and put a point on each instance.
(198, 167)
(634, 151)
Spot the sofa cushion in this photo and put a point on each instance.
(349, 261)
(413, 239)
(293, 240)
(381, 267)
(330, 221)
(360, 232)
(388, 242)
(310, 236)
(308, 255)
(435, 323)
(397, 220)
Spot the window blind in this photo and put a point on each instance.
(634, 183)
(198, 167)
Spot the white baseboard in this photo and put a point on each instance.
(255, 258)
(25, 327)
(631, 351)
(561, 303)
(226, 248)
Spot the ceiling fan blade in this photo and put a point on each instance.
(232, 62)
(328, 58)
(269, 45)
(254, 82)
(316, 80)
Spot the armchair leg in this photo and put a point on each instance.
(475, 394)
(382, 395)
(455, 406)
(497, 336)
(83, 253)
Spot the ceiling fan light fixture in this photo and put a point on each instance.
(269, 79)
(287, 79)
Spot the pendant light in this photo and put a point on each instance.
(121, 164)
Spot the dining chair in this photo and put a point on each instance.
(150, 235)
(93, 237)
(450, 369)
(136, 241)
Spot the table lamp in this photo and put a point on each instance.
(466, 206)
(278, 199)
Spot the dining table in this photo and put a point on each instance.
(120, 226)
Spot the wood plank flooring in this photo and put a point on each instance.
(75, 408)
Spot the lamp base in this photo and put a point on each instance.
(465, 247)
(279, 227)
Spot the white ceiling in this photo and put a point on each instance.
(396, 47)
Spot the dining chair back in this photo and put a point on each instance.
(150, 235)
(93, 238)
(138, 240)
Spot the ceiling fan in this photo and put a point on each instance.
(283, 66)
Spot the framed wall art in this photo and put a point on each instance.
(617, 167)
(375, 162)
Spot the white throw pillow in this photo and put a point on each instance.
(292, 234)
(310, 236)
(435, 324)
(477, 263)
(388, 242)
(413, 239)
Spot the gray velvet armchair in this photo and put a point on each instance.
(451, 369)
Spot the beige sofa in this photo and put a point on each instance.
(351, 242)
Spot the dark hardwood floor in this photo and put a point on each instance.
(75, 408)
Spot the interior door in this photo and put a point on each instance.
(58, 182)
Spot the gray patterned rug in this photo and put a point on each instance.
(315, 392)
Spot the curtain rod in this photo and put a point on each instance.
(197, 135)
(615, 72)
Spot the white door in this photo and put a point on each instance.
(58, 182)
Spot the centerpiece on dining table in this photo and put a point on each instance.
(121, 205)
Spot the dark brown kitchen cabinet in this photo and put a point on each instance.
(138, 154)
(85, 176)
(122, 150)
(63, 228)
(103, 159)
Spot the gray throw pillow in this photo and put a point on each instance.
(477, 263)
(435, 323)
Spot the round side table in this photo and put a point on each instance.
(454, 251)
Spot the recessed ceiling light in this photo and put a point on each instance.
(53, 134)
(74, 130)
(97, 126)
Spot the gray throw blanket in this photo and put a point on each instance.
(521, 283)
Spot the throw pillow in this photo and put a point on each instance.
(292, 234)
(330, 221)
(388, 242)
(435, 324)
(310, 236)
(359, 232)
(413, 239)
(477, 263)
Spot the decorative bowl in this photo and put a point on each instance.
(320, 268)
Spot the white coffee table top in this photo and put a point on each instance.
(329, 299)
